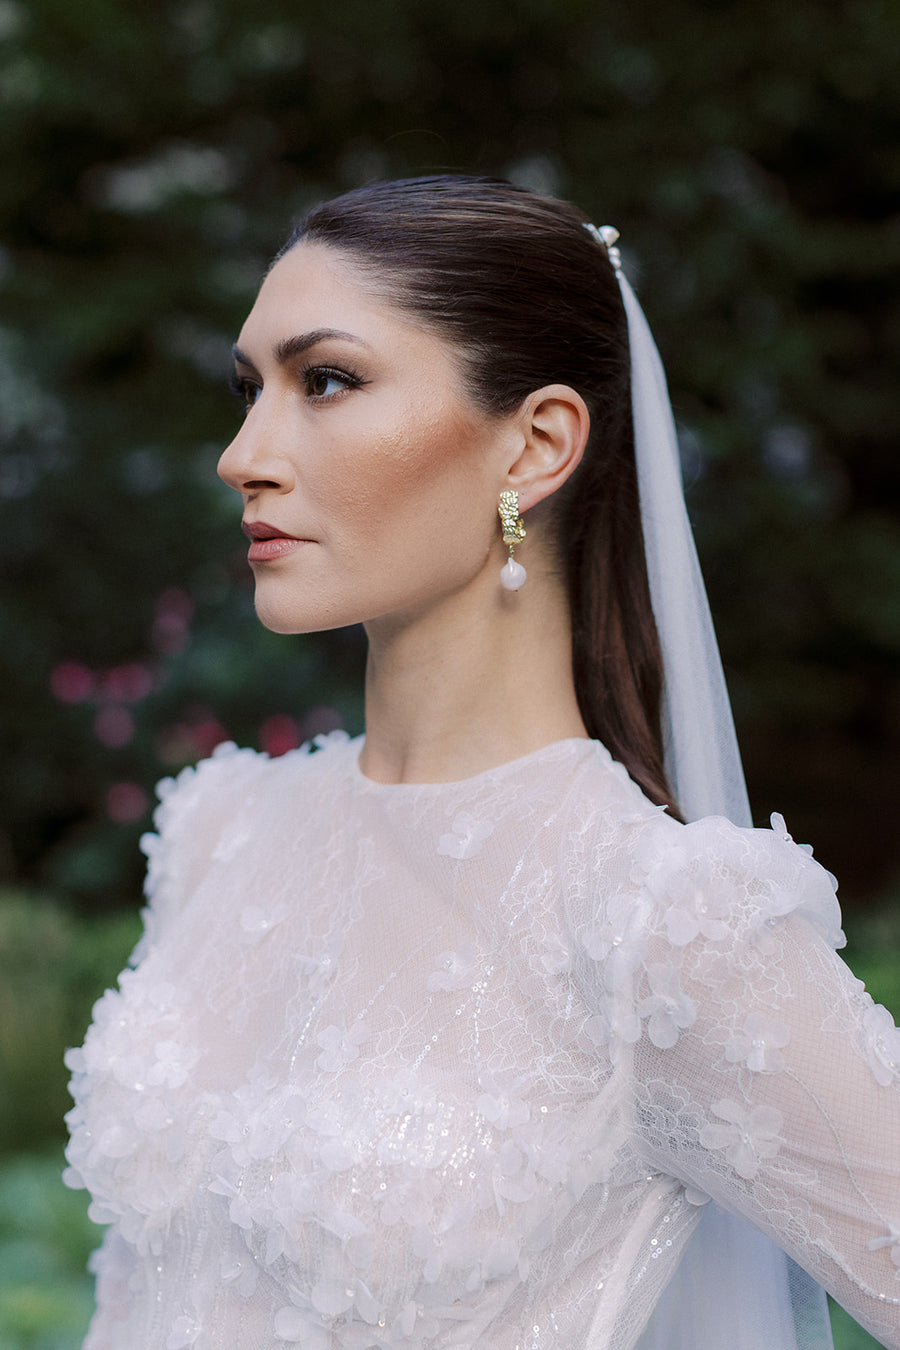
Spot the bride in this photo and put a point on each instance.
(496, 1029)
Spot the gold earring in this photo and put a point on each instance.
(513, 574)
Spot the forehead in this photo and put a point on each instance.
(314, 285)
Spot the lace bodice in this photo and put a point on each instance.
(459, 1065)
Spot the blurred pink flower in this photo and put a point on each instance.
(128, 683)
(175, 744)
(208, 732)
(194, 738)
(318, 721)
(114, 726)
(278, 734)
(72, 682)
(126, 803)
(171, 625)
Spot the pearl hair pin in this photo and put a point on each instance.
(607, 236)
(513, 574)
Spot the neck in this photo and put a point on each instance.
(484, 677)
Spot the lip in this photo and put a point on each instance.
(268, 542)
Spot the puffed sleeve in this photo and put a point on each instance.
(764, 1075)
(200, 815)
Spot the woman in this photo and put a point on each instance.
(447, 1037)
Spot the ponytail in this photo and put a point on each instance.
(616, 656)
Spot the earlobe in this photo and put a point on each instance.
(555, 424)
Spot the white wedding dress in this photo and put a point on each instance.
(460, 1065)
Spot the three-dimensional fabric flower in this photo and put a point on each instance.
(619, 942)
(882, 1044)
(467, 838)
(668, 1008)
(456, 970)
(749, 1135)
(340, 1047)
(890, 1239)
(759, 1044)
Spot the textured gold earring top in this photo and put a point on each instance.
(512, 522)
(512, 576)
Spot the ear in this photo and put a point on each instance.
(553, 424)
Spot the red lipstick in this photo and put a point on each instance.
(268, 542)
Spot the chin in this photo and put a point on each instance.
(288, 624)
(292, 620)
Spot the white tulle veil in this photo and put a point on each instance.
(734, 1288)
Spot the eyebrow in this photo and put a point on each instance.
(287, 348)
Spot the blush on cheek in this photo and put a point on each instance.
(426, 441)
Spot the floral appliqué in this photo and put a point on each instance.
(456, 970)
(881, 1040)
(185, 1331)
(890, 1239)
(467, 837)
(668, 1008)
(503, 1109)
(696, 906)
(776, 820)
(748, 1135)
(320, 970)
(619, 943)
(759, 1044)
(613, 1026)
(256, 922)
(340, 1047)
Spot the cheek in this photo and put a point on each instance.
(422, 468)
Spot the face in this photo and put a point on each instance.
(370, 480)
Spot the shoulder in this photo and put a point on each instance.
(639, 853)
(605, 802)
(692, 914)
(608, 823)
(713, 877)
(230, 773)
(199, 809)
(638, 881)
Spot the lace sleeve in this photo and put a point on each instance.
(199, 812)
(765, 1076)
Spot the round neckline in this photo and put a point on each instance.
(552, 749)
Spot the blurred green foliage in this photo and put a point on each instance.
(153, 158)
(46, 1295)
(52, 968)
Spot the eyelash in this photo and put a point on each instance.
(243, 387)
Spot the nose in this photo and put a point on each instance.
(251, 463)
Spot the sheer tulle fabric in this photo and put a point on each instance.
(461, 1065)
(770, 1305)
(702, 756)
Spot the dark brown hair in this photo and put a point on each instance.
(528, 298)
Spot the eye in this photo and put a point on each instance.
(326, 382)
(246, 390)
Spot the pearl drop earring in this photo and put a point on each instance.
(513, 574)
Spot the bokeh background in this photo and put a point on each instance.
(153, 157)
